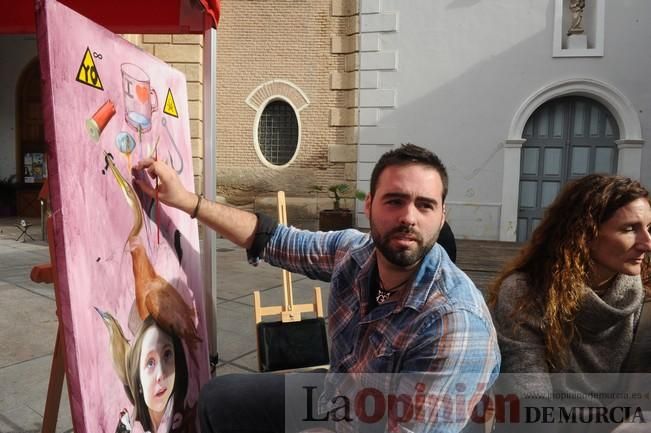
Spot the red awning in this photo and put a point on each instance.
(121, 16)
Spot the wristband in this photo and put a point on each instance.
(196, 208)
(264, 230)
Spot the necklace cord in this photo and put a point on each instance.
(390, 289)
(383, 294)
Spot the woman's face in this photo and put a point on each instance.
(622, 242)
(157, 368)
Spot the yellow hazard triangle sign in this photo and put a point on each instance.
(87, 73)
(170, 106)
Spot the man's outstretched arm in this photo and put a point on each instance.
(236, 225)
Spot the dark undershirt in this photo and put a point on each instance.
(373, 285)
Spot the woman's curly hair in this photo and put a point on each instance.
(557, 262)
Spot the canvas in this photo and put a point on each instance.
(129, 292)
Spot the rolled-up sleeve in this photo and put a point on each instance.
(313, 254)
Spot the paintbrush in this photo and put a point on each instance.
(157, 207)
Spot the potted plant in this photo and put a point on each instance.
(337, 218)
(8, 196)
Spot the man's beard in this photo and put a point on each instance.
(400, 256)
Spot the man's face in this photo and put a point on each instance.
(406, 213)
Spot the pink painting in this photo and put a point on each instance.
(129, 289)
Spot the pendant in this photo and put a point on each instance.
(382, 296)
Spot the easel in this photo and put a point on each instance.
(46, 273)
(23, 227)
(289, 312)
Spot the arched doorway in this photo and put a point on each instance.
(566, 138)
(31, 165)
(629, 145)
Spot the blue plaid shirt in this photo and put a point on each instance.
(441, 326)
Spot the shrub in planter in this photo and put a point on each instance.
(337, 218)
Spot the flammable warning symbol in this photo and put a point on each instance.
(170, 106)
(88, 72)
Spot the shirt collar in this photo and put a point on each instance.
(364, 251)
(421, 287)
(423, 284)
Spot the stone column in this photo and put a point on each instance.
(510, 189)
(629, 155)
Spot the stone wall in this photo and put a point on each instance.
(301, 46)
(306, 51)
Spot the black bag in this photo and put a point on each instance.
(285, 346)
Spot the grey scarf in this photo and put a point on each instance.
(606, 325)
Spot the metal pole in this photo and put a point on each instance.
(42, 220)
(210, 181)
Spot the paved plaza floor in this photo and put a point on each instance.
(28, 321)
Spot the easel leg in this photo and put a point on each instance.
(54, 387)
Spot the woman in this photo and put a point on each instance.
(570, 302)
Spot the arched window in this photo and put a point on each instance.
(278, 132)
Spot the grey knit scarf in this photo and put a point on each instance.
(606, 325)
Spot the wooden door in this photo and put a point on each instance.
(567, 138)
(31, 165)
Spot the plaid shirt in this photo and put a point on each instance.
(441, 326)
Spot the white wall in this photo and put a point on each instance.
(16, 52)
(462, 70)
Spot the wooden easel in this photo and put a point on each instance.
(46, 273)
(289, 312)
(289, 326)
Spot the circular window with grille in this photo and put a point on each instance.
(278, 132)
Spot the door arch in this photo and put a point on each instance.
(30, 141)
(629, 144)
(29, 116)
(566, 138)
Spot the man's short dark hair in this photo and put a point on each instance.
(409, 154)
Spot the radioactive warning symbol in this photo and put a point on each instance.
(88, 72)
(170, 106)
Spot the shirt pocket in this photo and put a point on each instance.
(381, 354)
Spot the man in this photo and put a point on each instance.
(397, 304)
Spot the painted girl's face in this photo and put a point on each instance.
(157, 368)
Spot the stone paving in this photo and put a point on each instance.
(28, 326)
(28, 322)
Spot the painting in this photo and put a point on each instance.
(129, 290)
